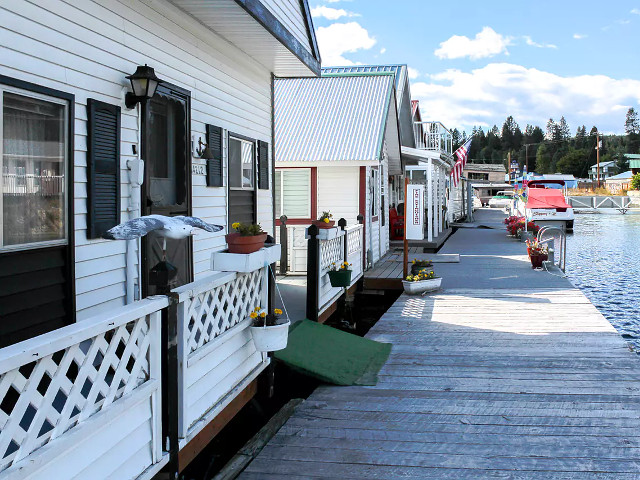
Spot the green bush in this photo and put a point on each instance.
(635, 182)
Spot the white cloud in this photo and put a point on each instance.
(486, 96)
(531, 43)
(331, 13)
(340, 38)
(487, 43)
(636, 11)
(624, 22)
(579, 36)
(413, 73)
(382, 51)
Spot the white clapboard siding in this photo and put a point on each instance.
(338, 192)
(289, 13)
(87, 48)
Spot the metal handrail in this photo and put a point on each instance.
(562, 255)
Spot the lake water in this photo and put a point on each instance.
(603, 259)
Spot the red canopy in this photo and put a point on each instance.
(546, 198)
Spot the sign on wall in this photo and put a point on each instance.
(414, 217)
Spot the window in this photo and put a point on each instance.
(34, 162)
(293, 193)
(241, 164)
(477, 176)
(374, 192)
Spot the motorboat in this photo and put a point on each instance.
(544, 203)
(502, 199)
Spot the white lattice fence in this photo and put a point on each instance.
(331, 251)
(354, 251)
(214, 343)
(52, 385)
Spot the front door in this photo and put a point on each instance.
(167, 184)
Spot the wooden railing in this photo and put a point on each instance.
(325, 248)
(84, 400)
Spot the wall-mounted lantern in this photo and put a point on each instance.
(144, 83)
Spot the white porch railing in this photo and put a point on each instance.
(217, 357)
(355, 241)
(41, 185)
(331, 251)
(84, 401)
(433, 136)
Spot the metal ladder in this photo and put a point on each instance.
(562, 254)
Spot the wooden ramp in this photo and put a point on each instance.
(522, 384)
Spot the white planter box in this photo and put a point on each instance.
(422, 286)
(245, 262)
(270, 339)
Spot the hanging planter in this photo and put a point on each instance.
(268, 334)
(340, 278)
(248, 238)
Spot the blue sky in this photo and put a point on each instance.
(474, 63)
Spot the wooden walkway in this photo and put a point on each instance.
(511, 383)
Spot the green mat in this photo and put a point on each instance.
(333, 356)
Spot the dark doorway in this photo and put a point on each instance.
(167, 184)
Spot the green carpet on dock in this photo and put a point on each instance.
(333, 356)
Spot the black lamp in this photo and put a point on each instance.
(144, 83)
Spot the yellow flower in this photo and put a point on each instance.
(263, 314)
(413, 261)
(235, 225)
(326, 220)
(409, 278)
(257, 309)
(253, 315)
(277, 311)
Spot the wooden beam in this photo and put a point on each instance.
(328, 312)
(204, 437)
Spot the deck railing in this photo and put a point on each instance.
(325, 248)
(433, 136)
(41, 185)
(71, 398)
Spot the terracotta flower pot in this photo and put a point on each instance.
(537, 259)
(323, 224)
(239, 244)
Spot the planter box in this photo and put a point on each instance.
(536, 260)
(422, 286)
(270, 339)
(245, 262)
(325, 233)
(340, 278)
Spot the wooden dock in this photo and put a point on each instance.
(519, 383)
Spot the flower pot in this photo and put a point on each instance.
(270, 339)
(415, 269)
(323, 224)
(537, 259)
(340, 278)
(239, 244)
(421, 286)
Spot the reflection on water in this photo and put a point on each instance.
(603, 259)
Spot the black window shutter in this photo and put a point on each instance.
(214, 167)
(103, 167)
(263, 165)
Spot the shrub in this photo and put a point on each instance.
(635, 182)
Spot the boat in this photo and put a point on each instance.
(502, 199)
(544, 203)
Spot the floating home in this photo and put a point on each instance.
(113, 110)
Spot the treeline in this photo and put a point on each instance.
(553, 150)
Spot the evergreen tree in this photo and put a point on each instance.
(564, 132)
(574, 162)
(551, 130)
(632, 123)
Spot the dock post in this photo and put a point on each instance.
(313, 273)
(284, 246)
(342, 223)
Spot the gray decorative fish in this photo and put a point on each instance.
(169, 227)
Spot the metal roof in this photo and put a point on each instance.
(332, 118)
(621, 176)
(399, 71)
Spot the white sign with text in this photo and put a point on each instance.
(414, 217)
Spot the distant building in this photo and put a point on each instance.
(607, 169)
(634, 162)
(487, 179)
(618, 183)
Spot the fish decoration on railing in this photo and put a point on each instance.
(169, 227)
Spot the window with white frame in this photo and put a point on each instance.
(293, 192)
(374, 191)
(241, 164)
(33, 169)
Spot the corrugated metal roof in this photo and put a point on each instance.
(399, 71)
(621, 176)
(331, 118)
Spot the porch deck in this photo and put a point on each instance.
(507, 373)
(425, 245)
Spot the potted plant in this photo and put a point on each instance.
(268, 331)
(340, 276)
(324, 221)
(425, 281)
(538, 253)
(418, 265)
(247, 238)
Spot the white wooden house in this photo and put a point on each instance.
(346, 146)
(70, 151)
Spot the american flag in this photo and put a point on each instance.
(461, 155)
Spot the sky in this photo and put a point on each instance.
(475, 63)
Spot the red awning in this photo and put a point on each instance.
(546, 198)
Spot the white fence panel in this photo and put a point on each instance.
(84, 401)
(331, 251)
(218, 358)
(355, 240)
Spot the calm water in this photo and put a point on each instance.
(603, 259)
